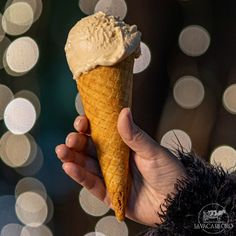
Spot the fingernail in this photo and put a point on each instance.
(130, 117)
(77, 124)
(68, 139)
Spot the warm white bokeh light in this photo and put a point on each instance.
(2, 32)
(14, 149)
(229, 99)
(194, 40)
(4, 45)
(41, 230)
(19, 116)
(94, 234)
(224, 156)
(6, 96)
(17, 18)
(116, 8)
(143, 61)
(50, 210)
(109, 226)
(22, 54)
(78, 105)
(11, 230)
(32, 97)
(31, 209)
(188, 92)
(176, 139)
(92, 205)
(87, 6)
(30, 184)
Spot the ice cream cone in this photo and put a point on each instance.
(104, 91)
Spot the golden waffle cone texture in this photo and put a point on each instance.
(104, 92)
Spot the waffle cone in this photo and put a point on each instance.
(104, 92)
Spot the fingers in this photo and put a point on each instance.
(136, 138)
(65, 154)
(76, 141)
(81, 124)
(92, 182)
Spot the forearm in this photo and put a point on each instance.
(188, 211)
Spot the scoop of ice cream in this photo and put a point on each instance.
(100, 39)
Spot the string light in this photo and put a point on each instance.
(229, 99)
(116, 8)
(188, 92)
(176, 139)
(224, 156)
(92, 205)
(194, 40)
(19, 116)
(143, 61)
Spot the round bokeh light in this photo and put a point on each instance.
(229, 99)
(41, 230)
(188, 92)
(176, 139)
(194, 40)
(6, 96)
(22, 54)
(17, 18)
(31, 209)
(20, 116)
(116, 8)
(79, 105)
(87, 6)
(92, 205)
(4, 45)
(11, 230)
(94, 234)
(143, 61)
(224, 156)
(2, 32)
(109, 225)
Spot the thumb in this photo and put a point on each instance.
(139, 141)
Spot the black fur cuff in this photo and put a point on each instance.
(205, 202)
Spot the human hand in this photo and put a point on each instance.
(154, 169)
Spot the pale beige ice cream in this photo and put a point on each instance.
(100, 40)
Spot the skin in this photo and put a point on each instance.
(153, 168)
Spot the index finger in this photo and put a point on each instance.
(81, 124)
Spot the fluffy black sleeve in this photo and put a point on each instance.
(204, 185)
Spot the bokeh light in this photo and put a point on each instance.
(94, 234)
(32, 97)
(41, 230)
(229, 99)
(17, 18)
(14, 149)
(3, 46)
(50, 206)
(34, 166)
(28, 184)
(6, 96)
(92, 205)
(87, 6)
(2, 32)
(22, 54)
(143, 61)
(224, 156)
(31, 209)
(19, 116)
(109, 226)
(11, 230)
(116, 8)
(176, 139)
(188, 92)
(79, 105)
(194, 40)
